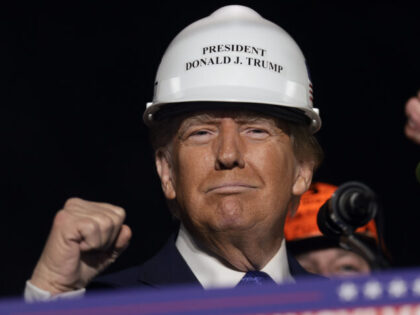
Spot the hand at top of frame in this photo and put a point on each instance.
(412, 110)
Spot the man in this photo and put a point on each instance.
(232, 126)
(321, 254)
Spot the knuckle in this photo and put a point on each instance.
(106, 222)
(61, 218)
(72, 202)
(90, 227)
(119, 211)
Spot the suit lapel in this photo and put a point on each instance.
(167, 267)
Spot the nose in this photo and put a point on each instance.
(229, 151)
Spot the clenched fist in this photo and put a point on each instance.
(412, 110)
(85, 238)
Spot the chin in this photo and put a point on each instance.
(232, 223)
(230, 213)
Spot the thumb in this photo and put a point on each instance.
(122, 241)
(100, 261)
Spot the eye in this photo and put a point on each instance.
(351, 267)
(257, 133)
(199, 136)
(199, 133)
(348, 268)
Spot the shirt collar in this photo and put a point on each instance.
(211, 273)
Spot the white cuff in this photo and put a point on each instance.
(35, 294)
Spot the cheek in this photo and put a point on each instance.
(191, 169)
(276, 166)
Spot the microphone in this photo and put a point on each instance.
(352, 205)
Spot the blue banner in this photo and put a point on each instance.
(394, 292)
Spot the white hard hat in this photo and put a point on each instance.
(234, 58)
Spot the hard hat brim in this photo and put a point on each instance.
(320, 242)
(170, 110)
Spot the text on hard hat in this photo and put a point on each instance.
(234, 48)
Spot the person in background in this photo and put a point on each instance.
(320, 254)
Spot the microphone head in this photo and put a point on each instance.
(351, 206)
(328, 225)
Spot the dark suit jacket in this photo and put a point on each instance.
(166, 268)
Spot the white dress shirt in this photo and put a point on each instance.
(211, 273)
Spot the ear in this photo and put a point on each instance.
(303, 178)
(164, 169)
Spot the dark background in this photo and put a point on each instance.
(78, 75)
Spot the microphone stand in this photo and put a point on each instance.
(353, 243)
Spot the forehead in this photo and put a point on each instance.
(166, 131)
(331, 253)
(244, 116)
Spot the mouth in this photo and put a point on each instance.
(230, 188)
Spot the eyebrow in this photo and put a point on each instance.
(209, 119)
(241, 118)
(196, 120)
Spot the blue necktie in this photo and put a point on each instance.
(255, 278)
